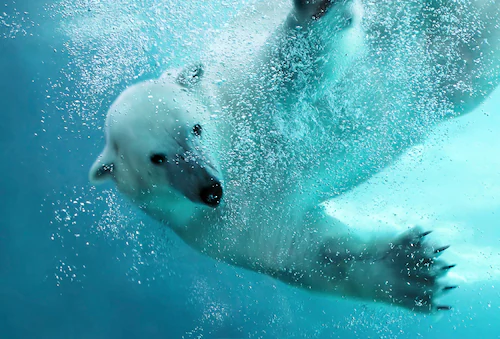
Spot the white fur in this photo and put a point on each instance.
(294, 111)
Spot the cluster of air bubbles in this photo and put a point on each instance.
(214, 312)
(143, 243)
(89, 219)
(14, 23)
(65, 271)
(196, 333)
(112, 44)
(68, 234)
(375, 319)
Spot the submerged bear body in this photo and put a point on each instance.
(236, 154)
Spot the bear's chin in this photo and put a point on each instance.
(174, 208)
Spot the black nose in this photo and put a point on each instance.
(212, 195)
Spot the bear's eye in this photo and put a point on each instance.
(197, 130)
(158, 158)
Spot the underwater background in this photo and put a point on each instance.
(80, 262)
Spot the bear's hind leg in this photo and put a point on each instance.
(405, 271)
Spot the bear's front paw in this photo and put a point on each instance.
(412, 272)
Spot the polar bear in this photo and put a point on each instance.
(237, 153)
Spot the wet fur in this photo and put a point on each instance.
(271, 219)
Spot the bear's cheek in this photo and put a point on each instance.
(130, 180)
(150, 181)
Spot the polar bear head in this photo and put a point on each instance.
(158, 151)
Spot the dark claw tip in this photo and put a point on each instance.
(447, 288)
(424, 234)
(441, 249)
(443, 308)
(448, 267)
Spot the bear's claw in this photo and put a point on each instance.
(424, 234)
(443, 308)
(441, 249)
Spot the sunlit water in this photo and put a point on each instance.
(80, 262)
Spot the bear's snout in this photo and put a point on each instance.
(212, 195)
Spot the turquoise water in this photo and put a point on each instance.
(80, 262)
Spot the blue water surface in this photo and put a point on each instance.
(80, 262)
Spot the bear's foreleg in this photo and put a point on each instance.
(327, 256)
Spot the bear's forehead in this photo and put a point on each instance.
(151, 112)
(149, 124)
(140, 139)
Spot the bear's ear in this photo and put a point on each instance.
(102, 169)
(190, 76)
